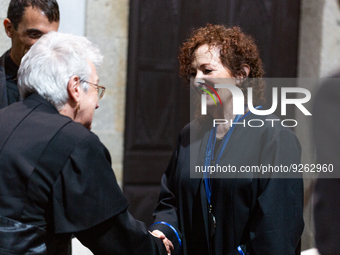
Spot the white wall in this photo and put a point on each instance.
(72, 16)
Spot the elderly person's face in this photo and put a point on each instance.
(207, 68)
(88, 100)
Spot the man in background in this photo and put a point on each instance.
(26, 22)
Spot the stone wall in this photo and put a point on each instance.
(107, 26)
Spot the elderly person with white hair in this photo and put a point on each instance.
(55, 176)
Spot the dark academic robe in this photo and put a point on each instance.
(56, 180)
(261, 215)
(326, 118)
(9, 92)
(3, 93)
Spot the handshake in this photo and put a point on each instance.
(167, 243)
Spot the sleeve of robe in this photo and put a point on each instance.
(166, 210)
(277, 218)
(87, 201)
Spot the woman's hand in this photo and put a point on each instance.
(167, 243)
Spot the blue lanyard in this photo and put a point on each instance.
(209, 153)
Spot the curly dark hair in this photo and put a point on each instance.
(236, 51)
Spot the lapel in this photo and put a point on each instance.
(3, 92)
(200, 183)
(201, 188)
(204, 203)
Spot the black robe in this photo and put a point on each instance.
(56, 180)
(261, 215)
(9, 92)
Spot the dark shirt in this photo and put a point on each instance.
(11, 70)
(217, 145)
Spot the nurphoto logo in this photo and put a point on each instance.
(238, 103)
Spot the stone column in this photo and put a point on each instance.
(107, 26)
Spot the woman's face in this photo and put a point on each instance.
(208, 70)
(88, 101)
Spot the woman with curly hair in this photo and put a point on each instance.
(234, 212)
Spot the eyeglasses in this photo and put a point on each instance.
(100, 89)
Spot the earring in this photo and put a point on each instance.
(78, 107)
(240, 80)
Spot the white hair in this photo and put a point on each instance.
(50, 63)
